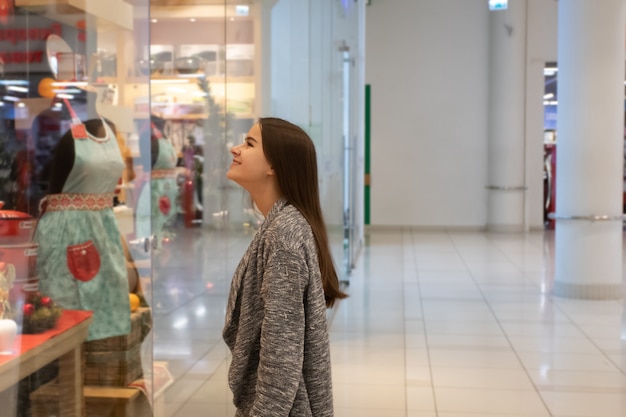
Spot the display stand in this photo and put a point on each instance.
(63, 342)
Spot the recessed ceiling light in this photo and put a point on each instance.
(192, 20)
(154, 20)
(242, 10)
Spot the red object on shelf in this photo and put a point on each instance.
(6, 11)
(25, 342)
(29, 309)
(16, 226)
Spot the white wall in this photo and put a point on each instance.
(427, 64)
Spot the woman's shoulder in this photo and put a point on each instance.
(290, 225)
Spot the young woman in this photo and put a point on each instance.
(276, 316)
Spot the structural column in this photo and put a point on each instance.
(590, 149)
(507, 72)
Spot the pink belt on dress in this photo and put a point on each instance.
(59, 202)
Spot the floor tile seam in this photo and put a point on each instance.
(581, 389)
(190, 398)
(507, 366)
(454, 332)
(362, 384)
(513, 321)
(418, 384)
(370, 407)
(493, 389)
(376, 332)
(177, 409)
(508, 258)
(412, 242)
(590, 339)
(406, 236)
(562, 311)
(472, 348)
(562, 351)
(481, 348)
(207, 379)
(491, 309)
(612, 352)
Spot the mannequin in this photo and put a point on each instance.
(47, 129)
(81, 261)
(64, 152)
(160, 200)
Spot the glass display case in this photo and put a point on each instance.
(72, 128)
(119, 231)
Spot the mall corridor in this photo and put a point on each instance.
(443, 324)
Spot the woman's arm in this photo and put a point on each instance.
(282, 334)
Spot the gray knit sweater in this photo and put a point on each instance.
(276, 323)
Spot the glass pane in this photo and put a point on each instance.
(73, 116)
(314, 73)
(200, 116)
(121, 115)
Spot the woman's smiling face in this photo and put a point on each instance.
(250, 167)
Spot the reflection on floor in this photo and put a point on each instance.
(438, 324)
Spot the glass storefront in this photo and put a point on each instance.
(119, 231)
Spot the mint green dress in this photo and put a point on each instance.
(97, 167)
(158, 203)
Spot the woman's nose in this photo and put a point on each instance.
(234, 150)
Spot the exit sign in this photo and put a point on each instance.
(498, 4)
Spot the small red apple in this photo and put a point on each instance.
(29, 309)
(46, 301)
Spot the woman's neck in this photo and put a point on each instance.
(265, 200)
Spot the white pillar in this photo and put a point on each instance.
(507, 71)
(590, 149)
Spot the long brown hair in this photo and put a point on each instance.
(291, 153)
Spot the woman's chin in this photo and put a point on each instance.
(231, 176)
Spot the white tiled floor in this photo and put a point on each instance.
(438, 324)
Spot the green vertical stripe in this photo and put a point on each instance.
(366, 193)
